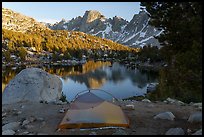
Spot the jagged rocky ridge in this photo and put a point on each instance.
(135, 33)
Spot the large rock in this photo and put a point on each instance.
(195, 117)
(174, 101)
(11, 126)
(199, 132)
(175, 131)
(146, 100)
(8, 132)
(197, 104)
(32, 84)
(165, 115)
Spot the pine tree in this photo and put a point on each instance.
(182, 47)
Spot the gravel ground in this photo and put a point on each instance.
(43, 119)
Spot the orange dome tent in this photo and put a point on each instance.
(90, 111)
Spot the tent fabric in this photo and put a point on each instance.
(90, 111)
(85, 101)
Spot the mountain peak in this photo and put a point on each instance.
(91, 15)
(15, 21)
(63, 20)
(92, 12)
(117, 17)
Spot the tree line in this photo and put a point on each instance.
(70, 43)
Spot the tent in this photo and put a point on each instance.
(91, 111)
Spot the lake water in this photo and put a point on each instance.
(115, 78)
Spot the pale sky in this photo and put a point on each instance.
(54, 11)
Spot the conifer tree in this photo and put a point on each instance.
(182, 47)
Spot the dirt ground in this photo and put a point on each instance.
(141, 119)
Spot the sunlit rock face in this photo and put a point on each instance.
(18, 22)
(91, 15)
(34, 85)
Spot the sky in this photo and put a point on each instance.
(52, 12)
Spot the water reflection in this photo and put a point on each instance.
(112, 77)
(9, 73)
(118, 80)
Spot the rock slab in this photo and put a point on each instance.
(195, 117)
(34, 85)
(165, 115)
(199, 132)
(175, 131)
(11, 126)
(8, 132)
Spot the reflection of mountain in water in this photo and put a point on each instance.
(93, 79)
(92, 74)
(81, 70)
(64, 71)
(140, 79)
(117, 73)
(8, 74)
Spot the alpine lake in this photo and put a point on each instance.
(117, 79)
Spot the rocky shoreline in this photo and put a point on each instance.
(146, 118)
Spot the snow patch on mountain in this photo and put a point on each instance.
(64, 26)
(136, 33)
(142, 34)
(108, 28)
